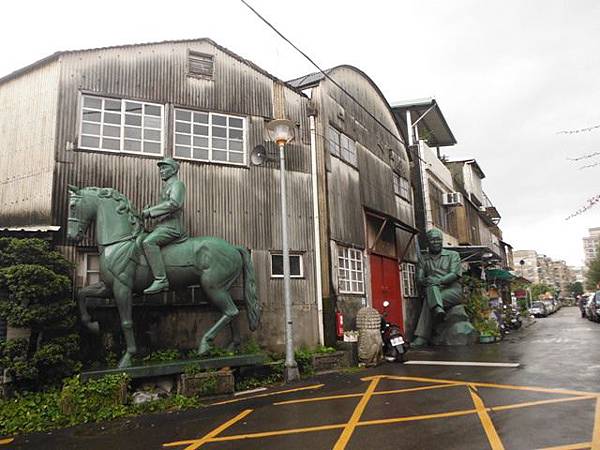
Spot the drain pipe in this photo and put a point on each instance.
(317, 243)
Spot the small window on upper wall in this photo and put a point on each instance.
(200, 64)
(341, 146)
(92, 268)
(401, 187)
(296, 268)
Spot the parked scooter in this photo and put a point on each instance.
(394, 344)
(512, 318)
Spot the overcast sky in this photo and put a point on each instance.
(508, 75)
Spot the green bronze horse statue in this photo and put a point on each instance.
(209, 261)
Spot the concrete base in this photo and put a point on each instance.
(206, 383)
(456, 329)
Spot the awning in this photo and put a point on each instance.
(498, 274)
(476, 254)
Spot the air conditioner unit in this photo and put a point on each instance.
(452, 199)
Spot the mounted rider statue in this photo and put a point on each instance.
(169, 214)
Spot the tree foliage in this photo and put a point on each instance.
(540, 289)
(576, 288)
(36, 293)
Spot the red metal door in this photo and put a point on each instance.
(385, 285)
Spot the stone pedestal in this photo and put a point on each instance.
(206, 383)
(456, 329)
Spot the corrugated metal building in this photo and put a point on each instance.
(104, 117)
(365, 198)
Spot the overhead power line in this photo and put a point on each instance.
(325, 74)
(581, 130)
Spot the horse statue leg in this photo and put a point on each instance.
(220, 297)
(122, 295)
(99, 290)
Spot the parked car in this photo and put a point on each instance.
(594, 308)
(588, 306)
(550, 307)
(538, 309)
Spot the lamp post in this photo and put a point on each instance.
(281, 131)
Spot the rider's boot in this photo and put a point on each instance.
(160, 283)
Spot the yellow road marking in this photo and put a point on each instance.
(596, 433)
(196, 443)
(539, 402)
(580, 446)
(360, 394)
(351, 425)
(485, 419)
(498, 386)
(6, 441)
(268, 394)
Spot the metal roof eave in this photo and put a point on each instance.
(434, 121)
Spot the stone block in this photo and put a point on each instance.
(206, 383)
(329, 362)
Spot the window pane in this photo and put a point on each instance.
(152, 122)
(183, 127)
(235, 145)
(153, 135)
(89, 141)
(152, 110)
(200, 141)
(130, 119)
(132, 146)
(200, 117)
(219, 143)
(295, 265)
(133, 107)
(112, 118)
(112, 105)
(91, 116)
(219, 120)
(151, 147)
(200, 153)
(235, 122)
(236, 157)
(236, 134)
(183, 115)
(201, 129)
(92, 102)
(183, 139)
(219, 155)
(111, 144)
(219, 132)
(90, 128)
(182, 152)
(277, 264)
(111, 131)
(131, 132)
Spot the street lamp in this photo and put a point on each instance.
(281, 131)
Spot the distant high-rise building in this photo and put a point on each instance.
(590, 244)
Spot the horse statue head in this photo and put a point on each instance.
(81, 213)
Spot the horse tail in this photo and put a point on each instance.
(252, 305)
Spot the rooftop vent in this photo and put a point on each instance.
(200, 64)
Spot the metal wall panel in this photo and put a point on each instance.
(238, 203)
(345, 213)
(28, 109)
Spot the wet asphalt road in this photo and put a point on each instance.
(549, 401)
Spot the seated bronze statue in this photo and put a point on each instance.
(438, 274)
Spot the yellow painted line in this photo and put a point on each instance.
(354, 419)
(580, 446)
(239, 437)
(6, 441)
(539, 402)
(341, 425)
(360, 394)
(196, 443)
(486, 420)
(498, 386)
(305, 388)
(596, 434)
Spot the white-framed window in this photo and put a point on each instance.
(92, 268)
(119, 125)
(341, 146)
(212, 137)
(401, 187)
(409, 287)
(296, 265)
(350, 271)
